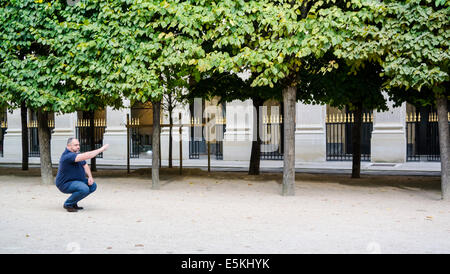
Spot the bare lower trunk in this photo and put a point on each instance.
(44, 147)
(255, 156)
(92, 140)
(23, 117)
(289, 99)
(356, 142)
(170, 138)
(444, 147)
(155, 144)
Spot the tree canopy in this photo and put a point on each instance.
(63, 56)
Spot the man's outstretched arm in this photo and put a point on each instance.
(90, 154)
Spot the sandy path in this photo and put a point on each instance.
(227, 213)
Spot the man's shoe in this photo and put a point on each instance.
(77, 207)
(70, 208)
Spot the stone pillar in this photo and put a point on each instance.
(64, 129)
(12, 143)
(185, 118)
(388, 143)
(237, 143)
(310, 133)
(116, 133)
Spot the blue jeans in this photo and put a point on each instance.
(79, 191)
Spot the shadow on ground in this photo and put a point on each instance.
(169, 175)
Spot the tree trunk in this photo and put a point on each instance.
(155, 144)
(444, 147)
(170, 137)
(92, 139)
(24, 120)
(255, 157)
(44, 147)
(356, 142)
(289, 99)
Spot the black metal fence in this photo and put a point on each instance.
(339, 136)
(422, 135)
(83, 134)
(33, 137)
(220, 129)
(135, 142)
(197, 141)
(3, 126)
(272, 138)
(139, 141)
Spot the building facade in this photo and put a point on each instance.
(322, 133)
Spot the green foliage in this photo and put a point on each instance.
(113, 53)
(39, 61)
(418, 51)
(340, 87)
(409, 38)
(269, 38)
(229, 87)
(144, 48)
(30, 65)
(64, 58)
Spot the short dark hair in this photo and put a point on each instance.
(70, 140)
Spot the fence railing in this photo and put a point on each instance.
(137, 142)
(3, 127)
(422, 137)
(140, 143)
(199, 145)
(272, 140)
(339, 129)
(220, 129)
(83, 134)
(33, 137)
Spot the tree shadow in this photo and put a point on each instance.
(376, 181)
(170, 175)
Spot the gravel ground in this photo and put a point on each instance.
(225, 212)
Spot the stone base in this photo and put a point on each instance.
(388, 146)
(310, 133)
(117, 140)
(237, 145)
(237, 150)
(12, 145)
(310, 145)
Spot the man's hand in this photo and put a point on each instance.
(105, 147)
(90, 181)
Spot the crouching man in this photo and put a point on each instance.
(72, 171)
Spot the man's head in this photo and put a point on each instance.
(73, 145)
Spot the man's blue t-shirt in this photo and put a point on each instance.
(69, 170)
